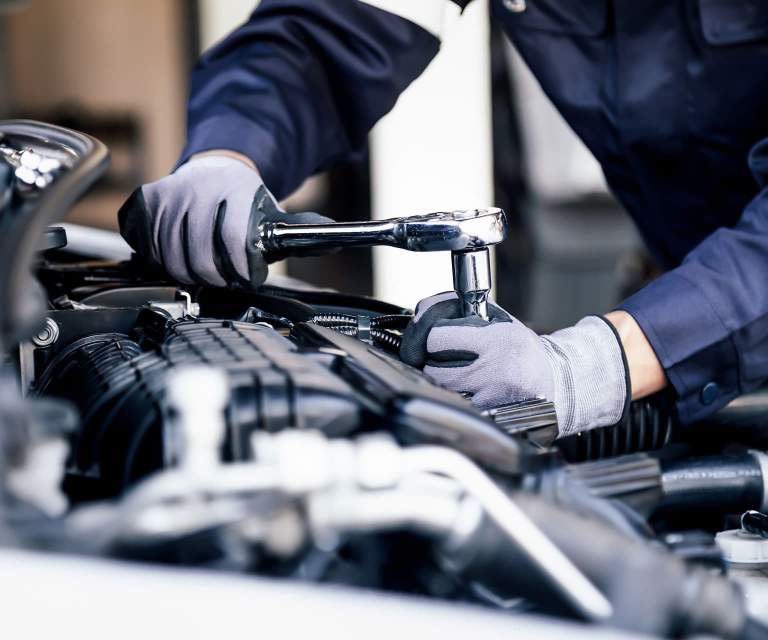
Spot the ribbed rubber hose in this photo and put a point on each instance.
(648, 428)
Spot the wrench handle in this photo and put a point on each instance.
(279, 237)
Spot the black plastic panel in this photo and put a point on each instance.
(120, 389)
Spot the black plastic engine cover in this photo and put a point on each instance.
(120, 390)
(114, 364)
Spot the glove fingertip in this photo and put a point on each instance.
(135, 221)
(448, 306)
(412, 352)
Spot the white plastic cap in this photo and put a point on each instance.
(199, 396)
(739, 546)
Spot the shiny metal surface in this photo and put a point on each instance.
(31, 169)
(566, 577)
(537, 418)
(48, 335)
(472, 281)
(455, 231)
(466, 233)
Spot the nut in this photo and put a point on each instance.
(48, 335)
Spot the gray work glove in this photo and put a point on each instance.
(581, 369)
(201, 223)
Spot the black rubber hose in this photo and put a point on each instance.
(648, 428)
(391, 322)
(387, 340)
(730, 483)
(727, 483)
(335, 320)
(379, 337)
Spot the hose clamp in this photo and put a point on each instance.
(364, 329)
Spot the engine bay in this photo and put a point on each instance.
(278, 434)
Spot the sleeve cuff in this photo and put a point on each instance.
(693, 344)
(242, 135)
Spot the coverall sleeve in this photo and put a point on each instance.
(299, 86)
(707, 320)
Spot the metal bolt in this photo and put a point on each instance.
(48, 335)
(516, 6)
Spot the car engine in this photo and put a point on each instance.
(277, 435)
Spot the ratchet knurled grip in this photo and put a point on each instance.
(466, 234)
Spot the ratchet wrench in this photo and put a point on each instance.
(466, 234)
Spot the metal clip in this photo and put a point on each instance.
(364, 329)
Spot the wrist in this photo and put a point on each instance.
(646, 373)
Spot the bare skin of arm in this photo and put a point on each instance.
(645, 370)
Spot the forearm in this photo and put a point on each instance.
(645, 371)
(277, 90)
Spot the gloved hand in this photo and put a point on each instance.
(581, 369)
(202, 222)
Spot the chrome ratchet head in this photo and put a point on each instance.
(454, 231)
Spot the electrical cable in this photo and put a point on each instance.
(380, 336)
(334, 320)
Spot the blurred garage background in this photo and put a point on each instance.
(474, 131)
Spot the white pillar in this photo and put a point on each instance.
(434, 153)
(219, 18)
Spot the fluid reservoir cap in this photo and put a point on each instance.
(739, 546)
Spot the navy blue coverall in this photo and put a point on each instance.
(671, 96)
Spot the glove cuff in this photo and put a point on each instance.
(627, 379)
(591, 376)
(214, 162)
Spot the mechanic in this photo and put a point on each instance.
(669, 96)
